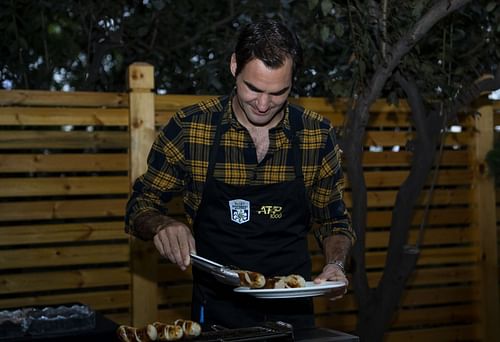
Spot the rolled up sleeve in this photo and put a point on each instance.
(328, 208)
(162, 180)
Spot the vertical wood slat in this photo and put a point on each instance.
(484, 207)
(143, 263)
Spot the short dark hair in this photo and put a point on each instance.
(269, 41)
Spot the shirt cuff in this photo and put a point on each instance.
(325, 231)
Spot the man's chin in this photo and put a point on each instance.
(260, 122)
(259, 119)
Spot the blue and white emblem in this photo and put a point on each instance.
(240, 210)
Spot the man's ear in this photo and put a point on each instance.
(233, 64)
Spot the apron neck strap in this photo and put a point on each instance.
(293, 116)
(217, 137)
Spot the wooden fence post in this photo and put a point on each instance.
(484, 206)
(143, 256)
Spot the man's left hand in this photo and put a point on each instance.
(332, 272)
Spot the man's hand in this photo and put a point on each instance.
(333, 272)
(336, 247)
(175, 242)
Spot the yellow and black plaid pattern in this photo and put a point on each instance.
(178, 162)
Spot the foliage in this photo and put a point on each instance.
(459, 50)
(88, 45)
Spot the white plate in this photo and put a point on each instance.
(310, 290)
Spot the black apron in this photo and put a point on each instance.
(261, 228)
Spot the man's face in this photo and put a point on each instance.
(261, 91)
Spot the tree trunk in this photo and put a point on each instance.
(376, 307)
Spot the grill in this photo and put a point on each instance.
(268, 331)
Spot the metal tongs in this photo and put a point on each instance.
(224, 274)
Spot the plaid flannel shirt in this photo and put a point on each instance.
(178, 162)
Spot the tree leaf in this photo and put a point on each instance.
(312, 4)
(158, 4)
(339, 29)
(142, 31)
(326, 7)
(325, 33)
(491, 6)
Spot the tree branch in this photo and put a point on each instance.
(19, 49)
(155, 31)
(384, 29)
(439, 10)
(415, 101)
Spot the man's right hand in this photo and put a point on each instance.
(175, 242)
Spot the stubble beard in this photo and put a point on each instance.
(258, 124)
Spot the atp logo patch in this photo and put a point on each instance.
(274, 211)
(239, 210)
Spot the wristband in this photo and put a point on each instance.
(339, 264)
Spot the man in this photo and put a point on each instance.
(255, 172)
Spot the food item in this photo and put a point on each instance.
(255, 280)
(295, 281)
(251, 279)
(126, 333)
(190, 328)
(158, 331)
(277, 282)
(168, 332)
(283, 282)
(132, 334)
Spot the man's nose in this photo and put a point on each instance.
(263, 102)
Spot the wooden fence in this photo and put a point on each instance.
(64, 180)
(63, 187)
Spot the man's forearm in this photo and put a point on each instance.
(147, 224)
(336, 248)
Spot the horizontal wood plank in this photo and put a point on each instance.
(399, 138)
(403, 158)
(27, 139)
(63, 256)
(58, 98)
(439, 197)
(68, 232)
(97, 300)
(444, 275)
(436, 217)
(53, 210)
(64, 280)
(53, 186)
(431, 236)
(377, 179)
(442, 315)
(63, 162)
(53, 116)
